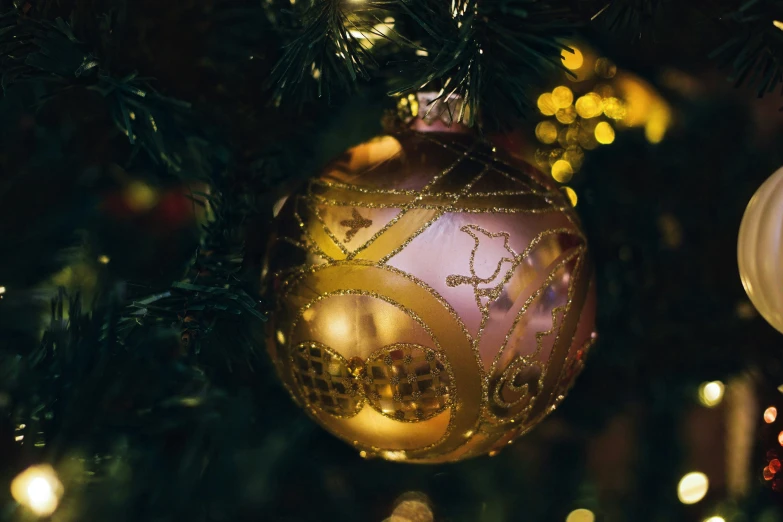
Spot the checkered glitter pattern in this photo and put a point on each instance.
(407, 382)
(325, 380)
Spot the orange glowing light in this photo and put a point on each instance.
(770, 414)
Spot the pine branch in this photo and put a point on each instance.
(754, 51)
(629, 18)
(34, 50)
(490, 53)
(326, 53)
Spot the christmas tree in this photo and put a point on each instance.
(148, 152)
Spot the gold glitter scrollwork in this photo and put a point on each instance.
(441, 283)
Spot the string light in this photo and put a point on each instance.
(39, 489)
(770, 414)
(581, 515)
(692, 487)
(711, 393)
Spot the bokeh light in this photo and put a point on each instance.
(770, 414)
(780, 438)
(562, 171)
(605, 68)
(715, 518)
(692, 487)
(589, 106)
(711, 393)
(604, 133)
(580, 515)
(546, 132)
(140, 197)
(572, 60)
(546, 105)
(614, 108)
(571, 195)
(38, 489)
(566, 115)
(562, 97)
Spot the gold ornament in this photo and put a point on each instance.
(433, 295)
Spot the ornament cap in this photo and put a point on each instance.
(432, 111)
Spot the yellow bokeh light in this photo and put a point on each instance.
(562, 171)
(711, 393)
(614, 108)
(542, 158)
(572, 60)
(580, 515)
(546, 132)
(140, 197)
(575, 156)
(554, 155)
(571, 195)
(770, 414)
(589, 106)
(280, 337)
(546, 105)
(692, 487)
(605, 68)
(657, 124)
(104, 259)
(716, 518)
(38, 489)
(604, 133)
(2, 290)
(566, 115)
(562, 97)
(604, 90)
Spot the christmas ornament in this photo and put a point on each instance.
(760, 250)
(433, 294)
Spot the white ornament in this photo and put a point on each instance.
(760, 250)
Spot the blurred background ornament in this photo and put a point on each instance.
(760, 250)
(434, 295)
